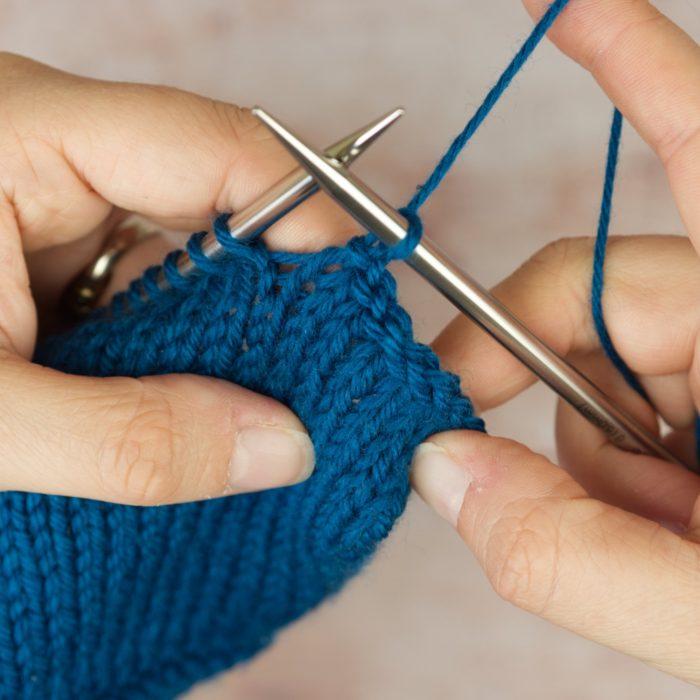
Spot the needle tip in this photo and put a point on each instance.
(349, 148)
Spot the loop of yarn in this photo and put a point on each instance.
(170, 271)
(202, 262)
(403, 249)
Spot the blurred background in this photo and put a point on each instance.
(421, 621)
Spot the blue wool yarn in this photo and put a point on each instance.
(108, 601)
(158, 598)
(598, 276)
(599, 250)
(484, 109)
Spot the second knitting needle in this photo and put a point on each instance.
(473, 300)
(288, 193)
(83, 294)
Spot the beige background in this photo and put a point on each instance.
(420, 622)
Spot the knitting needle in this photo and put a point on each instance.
(84, 292)
(472, 299)
(288, 193)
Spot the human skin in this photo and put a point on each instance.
(583, 546)
(609, 546)
(76, 154)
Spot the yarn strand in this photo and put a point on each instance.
(598, 275)
(448, 159)
(599, 251)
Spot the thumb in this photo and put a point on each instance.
(548, 548)
(147, 441)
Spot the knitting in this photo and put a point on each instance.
(108, 601)
(170, 595)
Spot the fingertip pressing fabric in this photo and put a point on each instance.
(109, 601)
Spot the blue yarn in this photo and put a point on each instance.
(444, 165)
(108, 601)
(163, 597)
(403, 250)
(447, 161)
(600, 247)
(598, 276)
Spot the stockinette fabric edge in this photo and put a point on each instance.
(168, 596)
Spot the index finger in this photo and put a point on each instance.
(654, 333)
(76, 147)
(650, 68)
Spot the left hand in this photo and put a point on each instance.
(74, 154)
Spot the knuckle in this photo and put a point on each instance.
(681, 144)
(522, 558)
(138, 459)
(559, 274)
(240, 123)
(559, 255)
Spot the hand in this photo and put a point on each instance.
(75, 153)
(584, 548)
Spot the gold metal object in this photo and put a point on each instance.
(83, 293)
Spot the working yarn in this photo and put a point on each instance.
(599, 250)
(108, 601)
(598, 276)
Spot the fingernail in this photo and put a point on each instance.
(439, 480)
(265, 457)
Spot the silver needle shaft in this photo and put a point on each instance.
(288, 193)
(472, 299)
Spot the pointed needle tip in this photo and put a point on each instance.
(348, 149)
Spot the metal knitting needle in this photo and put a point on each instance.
(288, 193)
(472, 299)
(84, 292)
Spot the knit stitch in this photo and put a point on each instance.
(109, 601)
(146, 601)
(149, 600)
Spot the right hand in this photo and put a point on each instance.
(611, 549)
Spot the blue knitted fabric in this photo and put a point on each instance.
(114, 601)
(108, 601)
